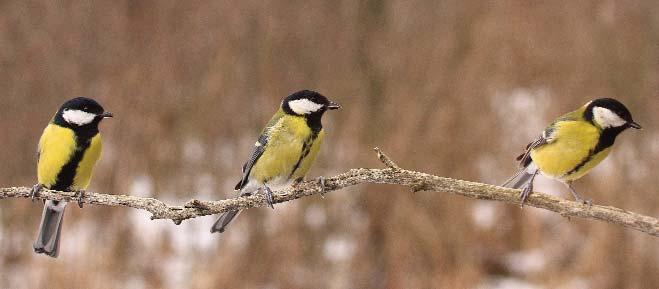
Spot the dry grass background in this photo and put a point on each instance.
(454, 88)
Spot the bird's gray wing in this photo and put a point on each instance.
(546, 137)
(257, 151)
(259, 148)
(524, 176)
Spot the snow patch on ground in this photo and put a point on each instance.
(508, 283)
(339, 248)
(484, 214)
(526, 262)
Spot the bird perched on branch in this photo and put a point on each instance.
(68, 150)
(572, 145)
(285, 150)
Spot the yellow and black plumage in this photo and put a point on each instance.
(287, 147)
(573, 145)
(68, 149)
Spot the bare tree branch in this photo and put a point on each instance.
(393, 174)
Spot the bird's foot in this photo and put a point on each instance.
(80, 195)
(321, 183)
(35, 191)
(578, 197)
(587, 202)
(525, 194)
(268, 197)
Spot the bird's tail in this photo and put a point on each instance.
(50, 229)
(522, 177)
(224, 221)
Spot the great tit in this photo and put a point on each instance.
(572, 145)
(285, 150)
(68, 150)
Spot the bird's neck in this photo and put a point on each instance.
(84, 132)
(607, 138)
(314, 122)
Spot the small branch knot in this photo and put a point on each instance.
(418, 188)
(386, 160)
(196, 204)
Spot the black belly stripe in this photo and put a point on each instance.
(67, 173)
(306, 148)
(606, 140)
(583, 162)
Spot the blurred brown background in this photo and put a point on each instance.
(454, 88)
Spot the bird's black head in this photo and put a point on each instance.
(609, 113)
(81, 113)
(310, 105)
(307, 102)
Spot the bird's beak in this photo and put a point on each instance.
(106, 114)
(333, 105)
(635, 125)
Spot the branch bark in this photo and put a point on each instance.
(392, 174)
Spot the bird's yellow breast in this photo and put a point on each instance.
(306, 163)
(284, 148)
(573, 142)
(86, 166)
(57, 148)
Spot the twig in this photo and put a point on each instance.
(386, 160)
(393, 174)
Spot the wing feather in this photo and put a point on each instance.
(547, 136)
(257, 151)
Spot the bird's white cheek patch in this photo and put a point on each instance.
(607, 118)
(304, 106)
(78, 117)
